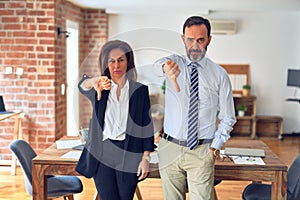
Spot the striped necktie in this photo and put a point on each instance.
(192, 137)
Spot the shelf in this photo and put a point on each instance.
(245, 117)
(270, 126)
(246, 125)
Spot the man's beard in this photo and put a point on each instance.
(200, 53)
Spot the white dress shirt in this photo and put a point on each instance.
(215, 100)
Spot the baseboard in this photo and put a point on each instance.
(293, 134)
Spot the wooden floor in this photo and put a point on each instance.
(12, 187)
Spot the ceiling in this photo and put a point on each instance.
(189, 6)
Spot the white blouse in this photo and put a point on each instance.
(116, 113)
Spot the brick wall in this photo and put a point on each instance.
(28, 40)
(95, 34)
(15, 47)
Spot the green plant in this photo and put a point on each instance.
(163, 87)
(241, 107)
(247, 87)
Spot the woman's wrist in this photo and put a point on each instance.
(146, 157)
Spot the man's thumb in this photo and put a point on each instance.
(175, 84)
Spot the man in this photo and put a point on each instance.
(198, 93)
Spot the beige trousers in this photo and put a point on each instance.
(179, 166)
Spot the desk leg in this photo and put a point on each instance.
(39, 183)
(253, 133)
(13, 165)
(279, 185)
(17, 135)
(138, 193)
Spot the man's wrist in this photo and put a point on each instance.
(215, 151)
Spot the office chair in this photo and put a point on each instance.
(58, 186)
(255, 191)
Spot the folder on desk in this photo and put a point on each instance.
(230, 151)
(79, 147)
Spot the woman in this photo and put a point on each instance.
(121, 131)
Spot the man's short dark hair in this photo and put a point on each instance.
(197, 20)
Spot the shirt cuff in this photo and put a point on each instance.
(219, 140)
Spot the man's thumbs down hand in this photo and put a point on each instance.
(172, 70)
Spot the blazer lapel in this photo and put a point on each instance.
(131, 113)
(132, 100)
(101, 107)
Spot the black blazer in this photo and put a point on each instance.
(139, 130)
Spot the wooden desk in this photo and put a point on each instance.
(18, 134)
(50, 163)
(274, 171)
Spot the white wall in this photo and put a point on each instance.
(268, 41)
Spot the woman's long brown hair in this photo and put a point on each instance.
(131, 73)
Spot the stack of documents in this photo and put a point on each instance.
(67, 144)
(245, 155)
(154, 157)
(247, 160)
(72, 155)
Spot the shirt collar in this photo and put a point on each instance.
(201, 62)
(114, 85)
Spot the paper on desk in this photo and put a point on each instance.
(153, 157)
(67, 144)
(72, 155)
(246, 160)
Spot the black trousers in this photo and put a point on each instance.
(113, 184)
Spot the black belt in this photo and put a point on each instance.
(184, 142)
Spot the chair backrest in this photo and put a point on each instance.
(24, 154)
(293, 185)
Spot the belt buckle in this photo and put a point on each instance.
(167, 137)
(181, 142)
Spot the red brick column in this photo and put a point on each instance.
(28, 40)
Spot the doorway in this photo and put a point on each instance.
(72, 78)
